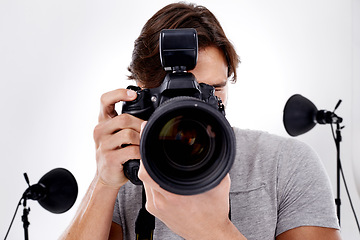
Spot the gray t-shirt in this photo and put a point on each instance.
(277, 184)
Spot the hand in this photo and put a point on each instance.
(117, 138)
(202, 216)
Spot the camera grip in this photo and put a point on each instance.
(131, 169)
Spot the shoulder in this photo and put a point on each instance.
(265, 139)
(257, 159)
(276, 155)
(255, 142)
(292, 175)
(274, 160)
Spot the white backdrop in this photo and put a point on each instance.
(58, 57)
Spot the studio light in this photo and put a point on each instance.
(301, 115)
(56, 191)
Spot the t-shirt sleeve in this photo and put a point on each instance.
(116, 214)
(304, 192)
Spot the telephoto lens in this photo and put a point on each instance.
(187, 146)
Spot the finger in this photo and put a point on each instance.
(116, 158)
(122, 139)
(123, 121)
(109, 99)
(107, 128)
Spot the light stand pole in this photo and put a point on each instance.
(338, 139)
(25, 220)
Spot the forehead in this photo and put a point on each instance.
(211, 67)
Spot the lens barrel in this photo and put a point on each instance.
(187, 146)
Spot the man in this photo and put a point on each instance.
(279, 189)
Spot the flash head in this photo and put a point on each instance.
(178, 49)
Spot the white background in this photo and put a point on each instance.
(58, 57)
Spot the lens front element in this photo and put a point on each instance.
(187, 143)
(187, 146)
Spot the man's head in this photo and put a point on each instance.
(146, 67)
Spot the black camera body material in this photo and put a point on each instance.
(187, 145)
(174, 85)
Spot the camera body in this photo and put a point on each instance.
(174, 85)
(187, 145)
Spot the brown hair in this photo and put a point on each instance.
(146, 66)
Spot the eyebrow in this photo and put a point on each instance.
(219, 85)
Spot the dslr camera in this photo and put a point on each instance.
(187, 145)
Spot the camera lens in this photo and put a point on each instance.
(187, 146)
(186, 143)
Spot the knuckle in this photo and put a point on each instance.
(133, 151)
(124, 119)
(130, 136)
(126, 133)
(104, 99)
(108, 158)
(101, 151)
(97, 131)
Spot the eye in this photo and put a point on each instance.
(221, 86)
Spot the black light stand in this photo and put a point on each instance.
(300, 116)
(338, 139)
(56, 191)
(26, 210)
(25, 220)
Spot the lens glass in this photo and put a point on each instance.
(186, 143)
(187, 146)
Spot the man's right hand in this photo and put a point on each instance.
(117, 138)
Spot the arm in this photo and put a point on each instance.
(117, 140)
(94, 215)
